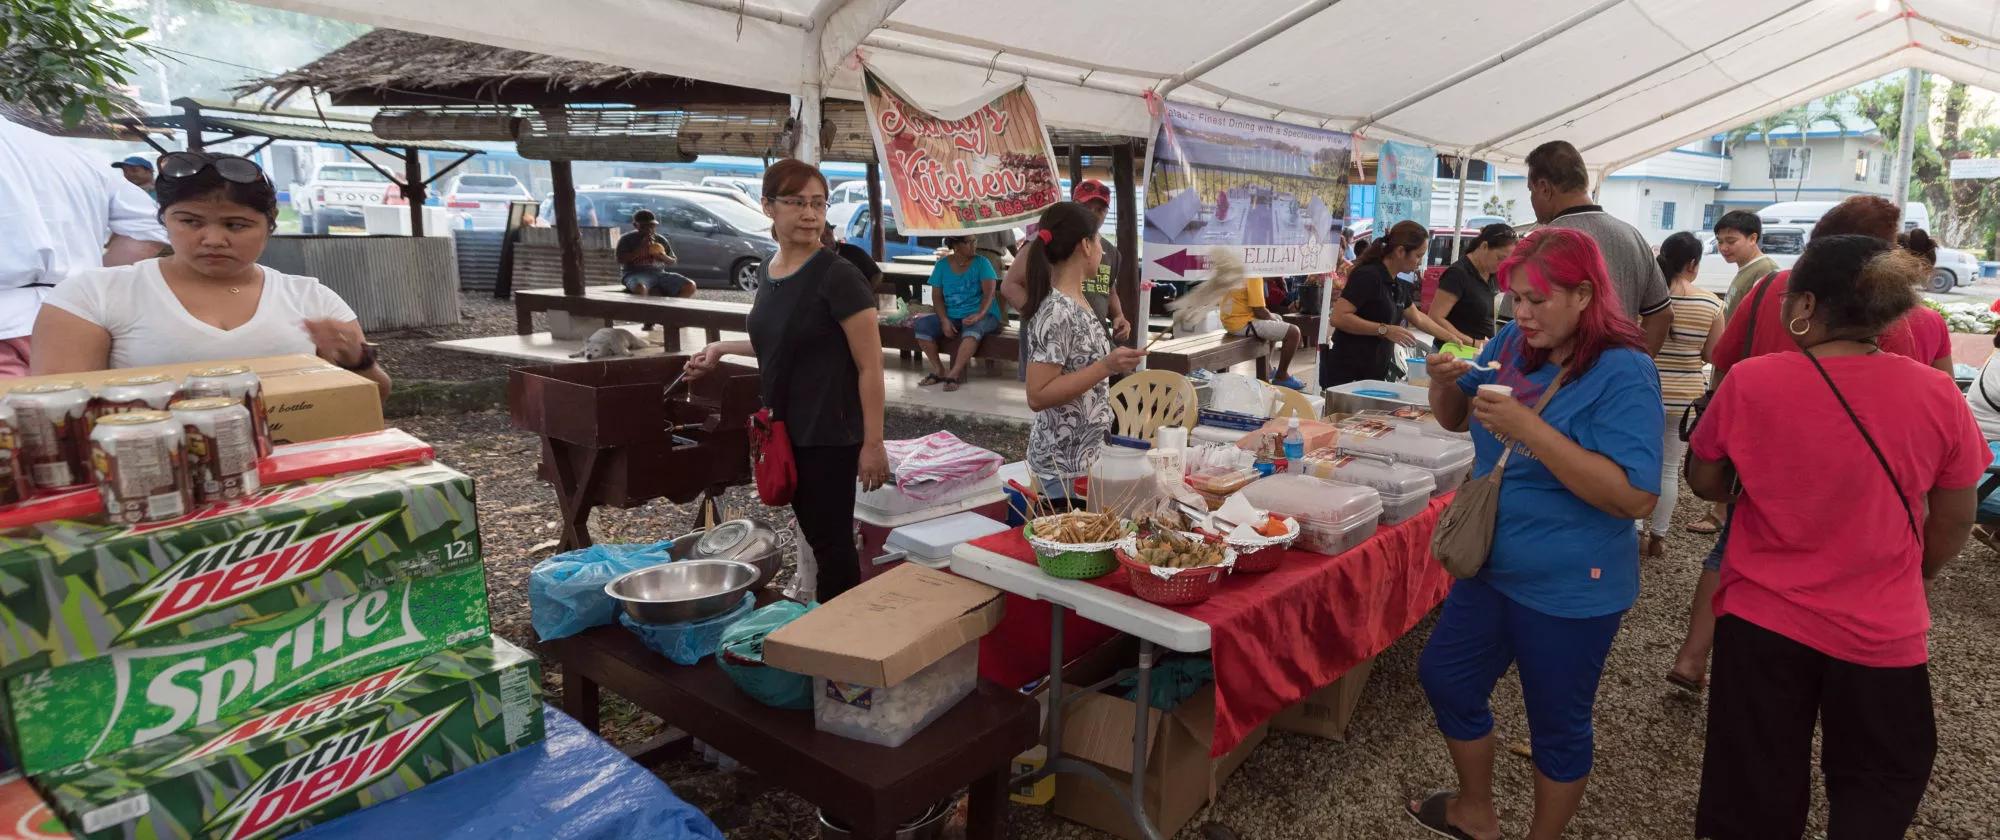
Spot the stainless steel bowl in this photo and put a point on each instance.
(744, 540)
(928, 825)
(682, 591)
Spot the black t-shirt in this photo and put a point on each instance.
(855, 254)
(1377, 297)
(822, 406)
(1473, 313)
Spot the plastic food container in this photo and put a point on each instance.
(1406, 489)
(890, 716)
(1446, 459)
(1332, 517)
(1415, 419)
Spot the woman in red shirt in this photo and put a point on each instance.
(1852, 471)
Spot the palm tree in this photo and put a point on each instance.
(1797, 115)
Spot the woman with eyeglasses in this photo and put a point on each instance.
(208, 300)
(813, 331)
(1852, 472)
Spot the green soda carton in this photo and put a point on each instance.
(71, 590)
(143, 692)
(285, 768)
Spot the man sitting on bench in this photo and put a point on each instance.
(645, 255)
(1244, 313)
(962, 290)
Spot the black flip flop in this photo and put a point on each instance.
(932, 379)
(1683, 683)
(952, 383)
(1431, 816)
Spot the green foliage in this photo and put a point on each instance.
(65, 56)
(1964, 214)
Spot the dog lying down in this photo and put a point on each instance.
(610, 343)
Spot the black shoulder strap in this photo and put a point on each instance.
(787, 358)
(1907, 512)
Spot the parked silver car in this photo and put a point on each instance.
(483, 198)
(716, 240)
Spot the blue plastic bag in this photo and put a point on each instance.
(741, 656)
(686, 643)
(566, 592)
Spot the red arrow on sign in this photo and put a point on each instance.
(1182, 262)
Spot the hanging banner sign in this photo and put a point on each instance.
(1403, 178)
(1275, 192)
(983, 167)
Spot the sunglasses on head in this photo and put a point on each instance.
(233, 168)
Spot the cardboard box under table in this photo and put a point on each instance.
(306, 397)
(890, 656)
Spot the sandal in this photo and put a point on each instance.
(1986, 537)
(1431, 815)
(1707, 524)
(1655, 546)
(951, 383)
(931, 379)
(1683, 683)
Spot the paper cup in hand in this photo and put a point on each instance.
(1497, 390)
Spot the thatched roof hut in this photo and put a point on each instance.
(388, 67)
(95, 126)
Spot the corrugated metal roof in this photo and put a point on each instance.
(307, 133)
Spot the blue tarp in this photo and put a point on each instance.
(574, 786)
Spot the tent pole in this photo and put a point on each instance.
(877, 244)
(1247, 43)
(567, 235)
(1458, 210)
(1906, 139)
(1075, 166)
(757, 11)
(1125, 283)
(1505, 55)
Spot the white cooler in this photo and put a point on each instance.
(885, 510)
(930, 543)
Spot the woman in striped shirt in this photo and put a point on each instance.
(1697, 325)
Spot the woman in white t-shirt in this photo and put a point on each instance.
(209, 299)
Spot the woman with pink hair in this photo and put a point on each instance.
(1564, 565)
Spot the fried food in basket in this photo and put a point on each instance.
(1078, 527)
(1178, 551)
(1165, 520)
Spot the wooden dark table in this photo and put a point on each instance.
(873, 789)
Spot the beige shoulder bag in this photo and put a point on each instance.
(1464, 535)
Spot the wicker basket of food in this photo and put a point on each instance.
(1174, 568)
(1261, 546)
(1076, 545)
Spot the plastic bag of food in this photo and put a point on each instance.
(566, 592)
(741, 656)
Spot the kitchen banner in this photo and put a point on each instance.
(982, 167)
(1274, 191)
(1403, 184)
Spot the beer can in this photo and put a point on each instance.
(221, 448)
(13, 483)
(133, 393)
(53, 424)
(239, 383)
(139, 458)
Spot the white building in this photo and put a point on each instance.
(1688, 187)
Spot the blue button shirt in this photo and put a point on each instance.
(1552, 551)
(962, 291)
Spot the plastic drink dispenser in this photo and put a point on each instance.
(1122, 478)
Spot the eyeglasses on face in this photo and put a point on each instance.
(796, 202)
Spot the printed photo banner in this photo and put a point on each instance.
(1274, 191)
(1403, 176)
(983, 167)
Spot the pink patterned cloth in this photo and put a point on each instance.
(930, 467)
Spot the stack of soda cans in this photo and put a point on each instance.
(216, 658)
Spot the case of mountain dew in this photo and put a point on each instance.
(71, 590)
(147, 690)
(285, 768)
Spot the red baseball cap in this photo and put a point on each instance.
(1090, 190)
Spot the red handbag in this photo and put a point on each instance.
(771, 459)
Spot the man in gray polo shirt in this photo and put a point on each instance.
(1559, 189)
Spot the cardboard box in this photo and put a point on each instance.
(82, 589)
(1180, 777)
(1326, 712)
(282, 769)
(306, 397)
(23, 813)
(879, 633)
(142, 692)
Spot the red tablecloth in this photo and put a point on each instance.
(1274, 637)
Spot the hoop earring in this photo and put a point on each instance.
(1793, 327)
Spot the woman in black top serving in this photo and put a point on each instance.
(827, 362)
(1465, 294)
(1368, 318)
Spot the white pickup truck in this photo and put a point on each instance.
(336, 194)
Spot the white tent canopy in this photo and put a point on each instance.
(1621, 79)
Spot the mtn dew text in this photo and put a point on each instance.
(283, 768)
(143, 692)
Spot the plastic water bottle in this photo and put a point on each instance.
(1295, 447)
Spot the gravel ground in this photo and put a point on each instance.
(1649, 736)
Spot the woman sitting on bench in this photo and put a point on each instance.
(962, 286)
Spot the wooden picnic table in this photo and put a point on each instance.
(713, 317)
(1215, 351)
(871, 788)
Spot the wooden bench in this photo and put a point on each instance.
(1003, 346)
(1214, 351)
(871, 788)
(713, 317)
